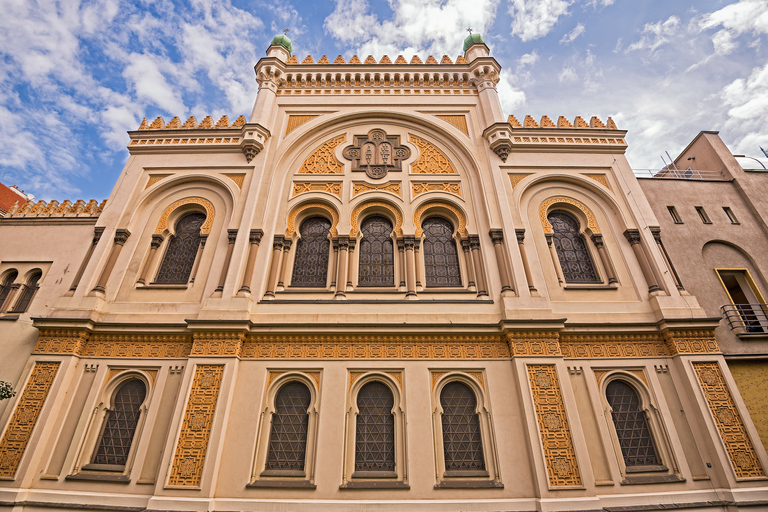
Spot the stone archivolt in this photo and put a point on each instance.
(419, 213)
(398, 229)
(291, 228)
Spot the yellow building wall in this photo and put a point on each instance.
(752, 379)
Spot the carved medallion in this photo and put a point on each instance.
(376, 154)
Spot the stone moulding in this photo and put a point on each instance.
(56, 210)
(290, 230)
(398, 228)
(544, 209)
(205, 229)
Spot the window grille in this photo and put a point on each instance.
(375, 436)
(5, 288)
(572, 252)
(27, 293)
(377, 253)
(310, 266)
(182, 250)
(120, 424)
(441, 259)
(462, 443)
(631, 425)
(288, 440)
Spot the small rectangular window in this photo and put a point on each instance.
(703, 215)
(675, 217)
(731, 216)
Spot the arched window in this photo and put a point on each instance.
(6, 286)
(462, 441)
(290, 423)
(572, 252)
(182, 250)
(30, 287)
(120, 425)
(441, 259)
(310, 266)
(631, 425)
(375, 433)
(377, 253)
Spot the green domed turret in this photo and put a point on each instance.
(473, 39)
(283, 41)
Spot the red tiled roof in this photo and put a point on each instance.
(9, 196)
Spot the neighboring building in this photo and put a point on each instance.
(713, 214)
(10, 196)
(377, 291)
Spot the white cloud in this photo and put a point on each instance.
(510, 96)
(143, 72)
(748, 102)
(532, 19)
(568, 74)
(656, 34)
(573, 34)
(736, 19)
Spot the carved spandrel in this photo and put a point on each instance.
(376, 154)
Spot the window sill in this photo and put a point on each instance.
(651, 479)
(160, 286)
(100, 477)
(469, 484)
(9, 318)
(588, 286)
(282, 484)
(646, 469)
(283, 472)
(375, 484)
(467, 473)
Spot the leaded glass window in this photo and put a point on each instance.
(120, 424)
(441, 259)
(5, 287)
(182, 250)
(310, 266)
(462, 443)
(631, 425)
(377, 253)
(30, 287)
(572, 252)
(375, 435)
(288, 440)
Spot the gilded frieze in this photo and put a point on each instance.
(534, 343)
(296, 121)
(148, 346)
(330, 187)
(422, 187)
(431, 160)
(360, 187)
(323, 160)
(61, 341)
(224, 343)
(613, 345)
(459, 122)
(700, 341)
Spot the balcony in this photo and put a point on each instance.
(680, 174)
(747, 319)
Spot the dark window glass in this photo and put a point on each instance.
(571, 250)
(377, 253)
(182, 250)
(288, 440)
(30, 287)
(375, 438)
(5, 287)
(310, 266)
(120, 424)
(441, 260)
(462, 444)
(631, 426)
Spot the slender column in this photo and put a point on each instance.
(470, 267)
(351, 263)
(416, 263)
(121, 236)
(474, 244)
(410, 262)
(284, 265)
(555, 259)
(520, 234)
(277, 248)
(198, 257)
(231, 237)
(334, 262)
(341, 276)
(254, 239)
(401, 262)
(156, 242)
(633, 237)
(656, 232)
(497, 237)
(96, 237)
(600, 245)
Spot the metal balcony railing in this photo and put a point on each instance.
(747, 318)
(679, 174)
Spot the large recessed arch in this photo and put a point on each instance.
(205, 229)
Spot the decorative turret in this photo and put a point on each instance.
(474, 46)
(280, 47)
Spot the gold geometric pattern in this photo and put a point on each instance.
(376, 204)
(25, 416)
(533, 343)
(397, 376)
(154, 179)
(60, 341)
(599, 374)
(517, 178)
(323, 160)
(196, 428)
(205, 229)
(591, 224)
(555, 433)
(691, 342)
(439, 204)
(224, 343)
(422, 187)
(138, 345)
(478, 376)
(291, 228)
(613, 345)
(729, 423)
(296, 121)
(459, 122)
(600, 178)
(331, 187)
(237, 178)
(358, 187)
(170, 143)
(431, 160)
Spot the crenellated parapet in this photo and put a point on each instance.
(54, 209)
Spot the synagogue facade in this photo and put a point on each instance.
(375, 291)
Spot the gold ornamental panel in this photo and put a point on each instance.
(398, 229)
(149, 346)
(559, 453)
(516, 178)
(323, 159)
(543, 210)
(239, 179)
(296, 121)
(330, 187)
(25, 417)
(422, 209)
(187, 469)
(422, 187)
(360, 187)
(534, 343)
(431, 160)
(334, 215)
(728, 420)
(205, 229)
(459, 122)
(61, 341)
(225, 343)
(600, 178)
(154, 179)
(613, 345)
(691, 341)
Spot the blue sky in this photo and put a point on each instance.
(77, 74)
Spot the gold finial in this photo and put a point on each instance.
(285, 31)
(469, 30)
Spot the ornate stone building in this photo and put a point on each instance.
(376, 291)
